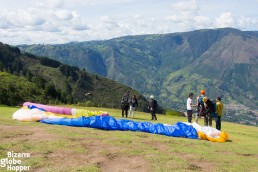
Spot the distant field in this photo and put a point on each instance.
(56, 148)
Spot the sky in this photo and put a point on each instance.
(63, 21)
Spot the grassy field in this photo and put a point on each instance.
(61, 148)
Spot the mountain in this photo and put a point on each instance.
(25, 77)
(170, 66)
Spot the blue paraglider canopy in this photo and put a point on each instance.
(179, 129)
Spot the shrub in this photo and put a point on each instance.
(170, 112)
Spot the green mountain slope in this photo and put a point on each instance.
(26, 77)
(222, 61)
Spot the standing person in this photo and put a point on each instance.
(199, 105)
(133, 105)
(219, 109)
(208, 110)
(153, 108)
(125, 104)
(189, 105)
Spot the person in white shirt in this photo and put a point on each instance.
(189, 108)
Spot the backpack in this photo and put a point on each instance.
(200, 103)
(133, 102)
(155, 104)
(200, 100)
(125, 99)
(211, 106)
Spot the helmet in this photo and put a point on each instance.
(203, 92)
(204, 99)
(151, 97)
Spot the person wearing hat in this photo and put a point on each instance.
(208, 109)
(153, 107)
(219, 109)
(199, 105)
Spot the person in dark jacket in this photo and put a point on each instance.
(153, 108)
(208, 110)
(125, 104)
(133, 105)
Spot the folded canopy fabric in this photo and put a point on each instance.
(110, 123)
(54, 109)
(69, 112)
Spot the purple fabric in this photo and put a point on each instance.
(54, 109)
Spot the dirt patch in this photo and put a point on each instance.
(107, 158)
(195, 164)
(245, 154)
(11, 133)
(157, 145)
(193, 167)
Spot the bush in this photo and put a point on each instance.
(89, 104)
(170, 112)
(86, 104)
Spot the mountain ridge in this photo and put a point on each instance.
(170, 66)
(26, 77)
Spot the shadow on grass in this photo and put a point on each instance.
(135, 118)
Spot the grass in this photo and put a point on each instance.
(62, 148)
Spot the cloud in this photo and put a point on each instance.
(202, 22)
(20, 18)
(42, 25)
(60, 21)
(50, 4)
(80, 27)
(63, 15)
(79, 24)
(245, 22)
(191, 5)
(184, 12)
(4, 23)
(108, 22)
(42, 17)
(225, 20)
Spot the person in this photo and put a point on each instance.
(153, 107)
(219, 109)
(207, 111)
(133, 105)
(189, 105)
(199, 105)
(125, 104)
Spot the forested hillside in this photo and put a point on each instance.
(25, 77)
(170, 66)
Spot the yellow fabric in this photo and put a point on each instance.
(219, 108)
(59, 115)
(83, 112)
(79, 113)
(222, 137)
